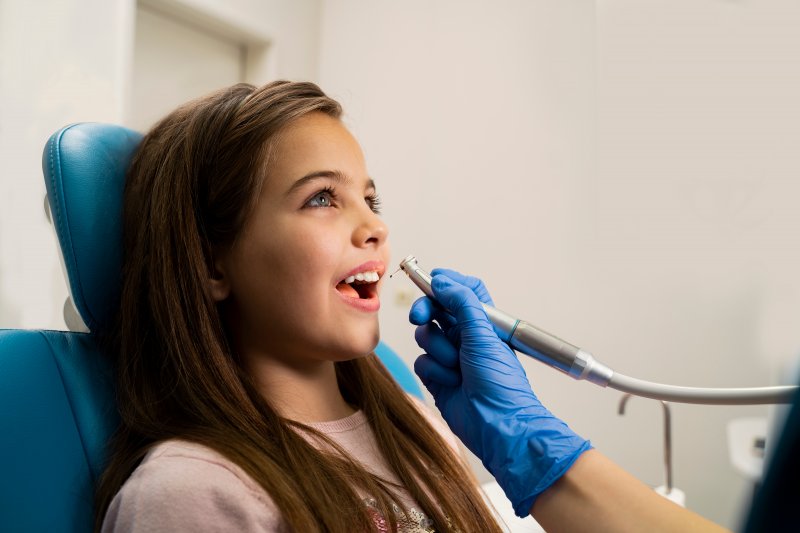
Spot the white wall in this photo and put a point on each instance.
(691, 216)
(64, 61)
(61, 62)
(620, 173)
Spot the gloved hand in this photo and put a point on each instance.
(483, 393)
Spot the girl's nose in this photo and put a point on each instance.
(371, 230)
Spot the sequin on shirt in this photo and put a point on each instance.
(412, 522)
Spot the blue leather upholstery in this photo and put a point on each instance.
(398, 368)
(57, 407)
(57, 412)
(84, 167)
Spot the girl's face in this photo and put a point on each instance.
(282, 284)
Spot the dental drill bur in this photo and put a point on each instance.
(580, 364)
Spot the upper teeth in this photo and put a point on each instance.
(368, 277)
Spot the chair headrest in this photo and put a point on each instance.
(84, 168)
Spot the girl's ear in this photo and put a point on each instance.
(217, 282)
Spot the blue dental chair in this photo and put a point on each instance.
(57, 402)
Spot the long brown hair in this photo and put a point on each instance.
(191, 186)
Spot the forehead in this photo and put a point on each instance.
(313, 143)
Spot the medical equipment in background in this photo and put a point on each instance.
(667, 490)
(747, 441)
(580, 364)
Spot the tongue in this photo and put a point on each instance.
(347, 290)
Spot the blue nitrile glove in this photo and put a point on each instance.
(483, 394)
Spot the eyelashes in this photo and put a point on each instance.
(374, 202)
(327, 197)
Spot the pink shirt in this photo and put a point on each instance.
(182, 486)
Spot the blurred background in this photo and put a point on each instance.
(622, 173)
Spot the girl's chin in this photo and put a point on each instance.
(359, 348)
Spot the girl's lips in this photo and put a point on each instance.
(368, 305)
(363, 297)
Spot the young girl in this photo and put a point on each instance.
(249, 394)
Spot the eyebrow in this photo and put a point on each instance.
(334, 175)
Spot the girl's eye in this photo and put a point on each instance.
(374, 203)
(321, 199)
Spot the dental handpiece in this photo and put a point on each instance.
(580, 364)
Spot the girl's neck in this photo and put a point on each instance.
(307, 394)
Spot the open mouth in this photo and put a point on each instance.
(363, 285)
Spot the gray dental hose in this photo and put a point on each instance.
(580, 364)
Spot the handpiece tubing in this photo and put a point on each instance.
(715, 396)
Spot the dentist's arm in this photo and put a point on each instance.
(545, 468)
(595, 494)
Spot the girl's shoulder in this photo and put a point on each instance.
(181, 485)
(180, 461)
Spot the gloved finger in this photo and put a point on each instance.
(422, 311)
(461, 302)
(431, 372)
(433, 387)
(476, 284)
(425, 310)
(433, 340)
